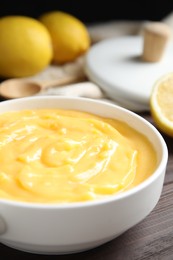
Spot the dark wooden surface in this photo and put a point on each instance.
(150, 239)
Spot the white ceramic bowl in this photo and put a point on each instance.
(61, 229)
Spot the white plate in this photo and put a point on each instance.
(116, 66)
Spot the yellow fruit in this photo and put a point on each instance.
(25, 46)
(161, 103)
(70, 36)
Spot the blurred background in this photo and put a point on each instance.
(101, 11)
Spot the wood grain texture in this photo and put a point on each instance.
(152, 238)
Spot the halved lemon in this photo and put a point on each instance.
(161, 103)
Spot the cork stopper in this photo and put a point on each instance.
(156, 36)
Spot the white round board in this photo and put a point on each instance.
(116, 65)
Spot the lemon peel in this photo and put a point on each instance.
(25, 46)
(70, 36)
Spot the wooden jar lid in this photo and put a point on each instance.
(156, 36)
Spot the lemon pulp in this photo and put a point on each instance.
(161, 103)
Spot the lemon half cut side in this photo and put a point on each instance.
(161, 103)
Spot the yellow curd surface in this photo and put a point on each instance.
(50, 155)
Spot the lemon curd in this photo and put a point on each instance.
(61, 156)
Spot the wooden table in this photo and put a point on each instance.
(150, 239)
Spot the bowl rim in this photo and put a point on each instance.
(161, 167)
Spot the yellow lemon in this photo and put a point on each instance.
(25, 46)
(161, 103)
(70, 36)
